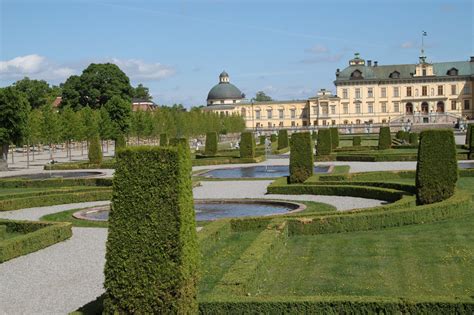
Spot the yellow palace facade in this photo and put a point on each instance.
(366, 93)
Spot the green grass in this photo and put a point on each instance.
(365, 142)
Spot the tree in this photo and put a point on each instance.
(106, 126)
(71, 92)
(14, 109)
(37, 92)
(69, 127)
(262, 97)
(50, 127)
(120, 112)
(95, 151)
(142, 92)
(35, 119)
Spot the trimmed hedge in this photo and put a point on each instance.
(356, 141)
(468, 134)
(414, 138)
(164, 140)
(314, 135)
(282, 139)
(152, 250)
(106, 164)
(471, 143)
(95, 150)
(334, 137)
(211, 144)
(385, 140)
(3, 231)
(35, 236)
(262, 140)
(324, 145)
(301, 157)
(247, 145)
(437, 168)
(273, 137)
(54, 182)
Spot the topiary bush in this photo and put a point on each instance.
(95, 150)
(211, 144)
(262, 140)
(471, 143)
(314, 135)
(399, 135)
(247, 145)
(282, 139)
(334, 137)
(163, 139)
(468, 133)
(413, 138)
(324, 145)
(385, 139)
(152, 251)
(273, 137)
(356, 141)
(437, 168)
(301, 157)
(120, 141)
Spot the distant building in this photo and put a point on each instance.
(366, 93)
(143, 105)
(57, 101)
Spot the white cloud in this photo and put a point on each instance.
(317, 49)
(139, 70)
(34, 66)
(407, 45)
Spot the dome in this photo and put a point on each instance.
(223, 74)
(224, 91)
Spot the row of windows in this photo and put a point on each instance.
(408, 91)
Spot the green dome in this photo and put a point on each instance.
(224, 90)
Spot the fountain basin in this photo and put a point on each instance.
(270, 171)
(213, 209)
(466, 165)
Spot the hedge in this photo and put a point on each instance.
(334, 137)
(468, 134)
(333, 305)
(324, 146)
(35, 236)
(3, 232)
(211, 144)
(120, 142)
(471, 143)
(152, 250)
(247, 145)
(301, 157)
(282, 139)
(273, 137)
(385, 140)
(414, 138)
(95, 150)
(437, 168)
(356, 141)
(54, 182)
(262, 140)
(164, 140)
(314, 135)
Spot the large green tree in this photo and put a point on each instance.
(262, 97)
(97, 84)
(119, 111)
(38, 92)
(142, 92)
(14, 109)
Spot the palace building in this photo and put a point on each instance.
(366, 93)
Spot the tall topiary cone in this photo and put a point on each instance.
(282, 139)
(211, 144)
(334, 137)
(324, 145)
(437, 168)
(247, 145)
(301, 157)
(385, 139)
(95, 150)
(152, 251)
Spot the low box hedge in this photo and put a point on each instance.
(34, 236)
(356, 141)
(53, 182)
(3, 231)
(105, 164)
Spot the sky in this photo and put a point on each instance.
(287, 48)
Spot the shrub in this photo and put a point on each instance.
(437, 168)
(356, 141)
(211, 144)
(273, 137)
(95, 150)
(413, 138)
(262, 140)
(334, 137)
(399, 135)
(301, 157)
(152, 251)
(324, 142)
(247, 145)
(314, 135)
(385, 140)
(282, 139)
(120, 141)
(468, 133)
(163, 139)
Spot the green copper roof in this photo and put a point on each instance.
(224, 90)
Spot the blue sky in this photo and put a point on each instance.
(289, 49)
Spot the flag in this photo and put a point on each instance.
(424, 33)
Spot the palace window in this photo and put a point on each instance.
(257, 114)
(370, 92)
(396, 107)
(424, 90)
(222, 102)
(269, 114)
(356, 75)
(453, 89)
(384, 107)
(440, 90)
(345, 94)
(333, 122)
(357, 93)
(333, 109)
(325, 122)
(452, 71)
(324, 110)
(293, 124)
(269, 124)
(409, 91)
(424, 72)
(346, 122)
(293, 113)
(467, 105)
(315, 122)
(280, 113)
(467, 89)
(370, 108)
(280, 124)
(358, 121)
(346, 108)
(315, 110)
(384, 121)
(396, 92)
(383, 92)
(357, 108)
(453, 105)
(394, 75)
